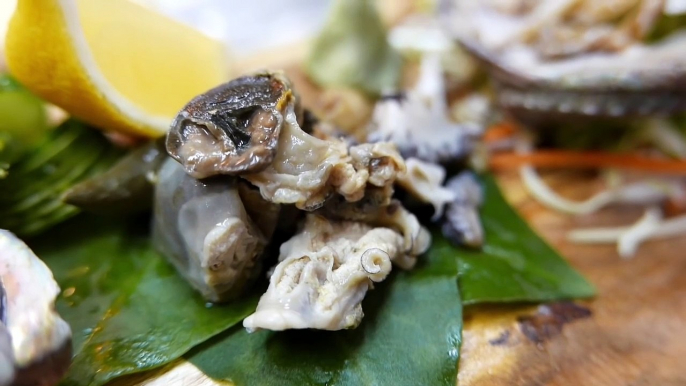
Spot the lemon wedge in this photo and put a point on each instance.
(114, 64)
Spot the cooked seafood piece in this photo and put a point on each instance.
(462, 224)
(127, 187)
(377, 210)
(418, 123)
(559, 59)
(35, 343)
(307, 170)
(204, 230)
(323, 274)
(233, 128)
(264, 214)
(424, 181)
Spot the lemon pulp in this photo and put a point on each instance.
(114, 64)
(150, 62)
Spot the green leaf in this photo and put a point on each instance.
(515, 264)
(666, 26)
(410, 335)
(130, 312)
(352, 50)
(128, 309)
(30, 194)
(23, 121)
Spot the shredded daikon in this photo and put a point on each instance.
(646, 192)
(649, 227)
(628, 242)
(628, 239)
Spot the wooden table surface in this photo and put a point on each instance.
(633, 333)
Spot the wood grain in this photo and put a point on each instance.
(636, 334)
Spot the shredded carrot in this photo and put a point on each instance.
(674, 207)
(500, 131)
(586, 160)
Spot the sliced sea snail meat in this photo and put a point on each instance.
(376, 209)
(214, 228)
(203, 228)
(324, 272)
(424, 181)
(251, 127)
(462, 224)
(307, 171)
(233, 128)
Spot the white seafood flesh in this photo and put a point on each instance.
(35, 328)
(425, 181)
(202, 227)
(307, 170)
(323, 274)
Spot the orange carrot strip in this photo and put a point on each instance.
(499, 131)
(586, 160)
(673, 207)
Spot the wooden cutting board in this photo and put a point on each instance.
(633, 333)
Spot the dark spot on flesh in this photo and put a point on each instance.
(234, 125)
(502, 339)
(549, 320)
(393, 207)
(325, 237)
(216, 266)
(246, 127)
(377, 163)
